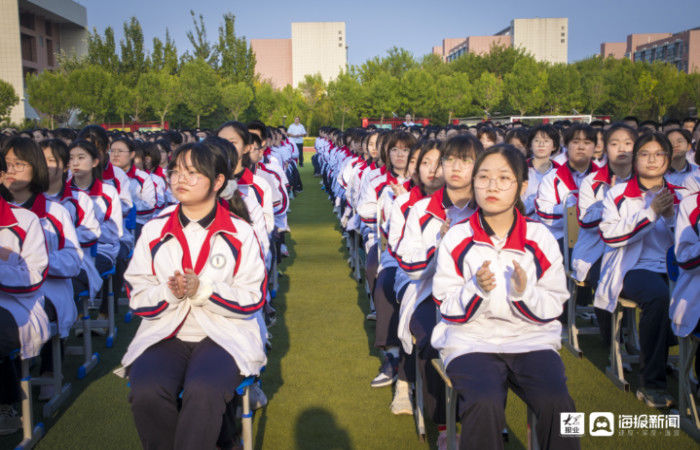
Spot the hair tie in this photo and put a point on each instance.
(229, 190)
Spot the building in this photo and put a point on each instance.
(478, 45)
(31, 34)
(314, 48)
(546, 39)
(680, 49)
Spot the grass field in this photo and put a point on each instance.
(319, 369)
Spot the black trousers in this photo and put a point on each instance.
(208, 376)
(386, 332)
(300, 146)
(421, 325)
(316, 164)
(9, 369)
(482, 381)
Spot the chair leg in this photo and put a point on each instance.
(418, 412)
(572, 331)
(451, 396)
(615, 371)
(111, 306)
(687, 407)
(247, 420)
(356, 256)
(31, 434)
(61, 391)
(532, 442)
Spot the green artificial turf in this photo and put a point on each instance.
(321, 363)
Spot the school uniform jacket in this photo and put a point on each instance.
(280, 199)
(65, 259)
(143, 193)
(589, 247)
(534, 178)
(415, 250)
(108, 212)
(500, 321)
(232, 285)
(679, 177)
(160, 185)
(624, 224)
(684, 310)
(553, 189)
(23, 274)
(250, 184)
(116, 177)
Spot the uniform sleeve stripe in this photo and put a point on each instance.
(470, 309)
(640, 226)
(410, 267)
(525, 311)
(25, 289)
(692, 263)
(151, 311)
(234, 306)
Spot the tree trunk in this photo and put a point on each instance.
(51, 118)
(342, 122)
(449, 118)
(197, 120)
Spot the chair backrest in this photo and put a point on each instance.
(571, 229)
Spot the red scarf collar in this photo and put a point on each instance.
(108, 174)
(634, 190)
(246, 177)
(7, 217)
(516, 239)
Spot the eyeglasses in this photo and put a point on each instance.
(457, 162)
(111, 151)
(17, 167)
(648, 155)
(175, 177)
(503, 182)
(403, 151)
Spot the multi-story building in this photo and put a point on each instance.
(680, 49)
(32, 33)
(546, 39)
(315, 47)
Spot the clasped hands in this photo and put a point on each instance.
(183, 285)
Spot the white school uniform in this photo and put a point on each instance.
(500, 321)
(23, 274)
(65, 259)
(143, 194)
(555, 187)
(116, 177)
(679, 177)
(250, 184)
(684, 310)
(232, 284)
(628, 226)
(280, 199)
(534, 178)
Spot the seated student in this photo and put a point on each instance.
(85, 165)
(165, 154)
(24, 325)
(487, 136)
(81, 210)
(500, 285)
(151, 165)
(580, 140)
(599, 157)
(542, 142)
(619, 142)
(27, 187)
(122, 153)
(199, 333)
(519, 138)
(638, 217)
(681, 168)
(426, 224)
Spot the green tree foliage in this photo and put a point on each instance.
(237, 60)
(346, 95)
(563, 92)
(161, 92)
(90, 90)
(133, 57)
(49, 93)
(488, 92)
(202, 48)
(8, 99)
(200, 87)
(525, 85)
(236, 98)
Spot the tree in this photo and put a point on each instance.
(90, 90)
(488, 92)
(48, 93)
(592, 74)
(121, 101)
(133, 58)
(236, 97)
(563, 92)
(8, 99)
(525, 86)
(102, 52)
(161, 91)
(202, 48)
(417, 92)
(667, 91)
(454, 95)
(383, 96)
(199, 87)
(266, 100)
(237, 60)
(345, 94)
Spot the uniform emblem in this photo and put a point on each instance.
(217, 261)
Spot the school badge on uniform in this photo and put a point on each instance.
(217, 261)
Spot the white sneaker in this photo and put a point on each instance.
(372, 315)
(401, 404)
(442, 440)
(258, 399)
(283, 250)
(10, 421)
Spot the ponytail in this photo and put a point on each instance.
(238, 207)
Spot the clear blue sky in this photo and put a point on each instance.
(373, 27)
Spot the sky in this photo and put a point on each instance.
(373, 27)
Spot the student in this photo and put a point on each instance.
(85, 165)
(151, 161)
(543, 141)
(500, 285)
(519, 138)
(681, 168)
(426, 224)
(27, 188)
(599, 157)
(637, 222)
(580, 140)
(82, 212)
(24, 325)
(198, 333)
(122, 153)
(619, 142)
(487, 136)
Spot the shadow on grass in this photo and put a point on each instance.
(316, 428)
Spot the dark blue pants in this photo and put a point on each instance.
(300, 146)
(650, 291)
(386, 331)
(9, 369)
(208, 376)
(317, 166)
(482, 381)
(421, 325)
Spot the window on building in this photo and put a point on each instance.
(48, 27)
(26, 20)
(563, 40)
(28, 44)
(50, 59)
